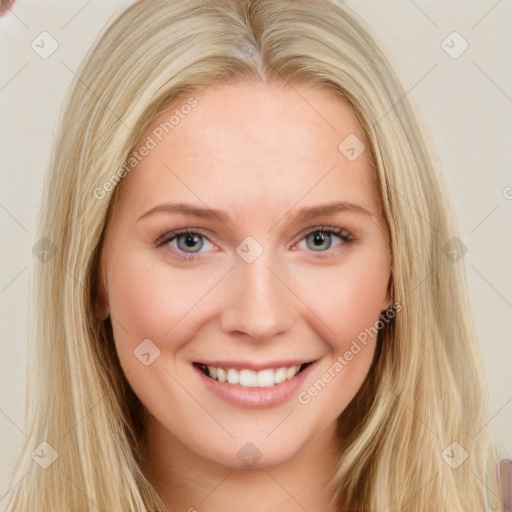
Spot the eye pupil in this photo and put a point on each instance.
(319, 239)
(190, 240)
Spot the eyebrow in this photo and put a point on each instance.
(302, 215)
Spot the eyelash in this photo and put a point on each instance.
(342, 233)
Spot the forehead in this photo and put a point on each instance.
(249, 144)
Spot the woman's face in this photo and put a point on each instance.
(269, 276)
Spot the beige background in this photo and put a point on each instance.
(466, 101)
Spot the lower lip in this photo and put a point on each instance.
(256, 398)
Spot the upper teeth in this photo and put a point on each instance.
(252, 379)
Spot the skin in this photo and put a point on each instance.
(260, 152)
(6, 7)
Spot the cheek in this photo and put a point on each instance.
(148, 299)
(347, 301)
(346, 298)
(151, 300)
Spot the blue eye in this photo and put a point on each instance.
(190, 241)
(185, 239)
(320, 241)
(187, 243)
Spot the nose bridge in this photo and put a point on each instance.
(259, 303)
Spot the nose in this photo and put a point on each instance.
(260, 302)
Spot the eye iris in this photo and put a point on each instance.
(189, 241)
(320, 238)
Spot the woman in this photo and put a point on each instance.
(257, 371)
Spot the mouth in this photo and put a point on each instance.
(249, 378)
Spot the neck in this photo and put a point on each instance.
(188, 482)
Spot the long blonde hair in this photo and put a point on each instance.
(426, 389)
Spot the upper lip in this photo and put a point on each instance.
(252, 365)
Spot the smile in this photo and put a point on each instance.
(254, 385)
(249, 378)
